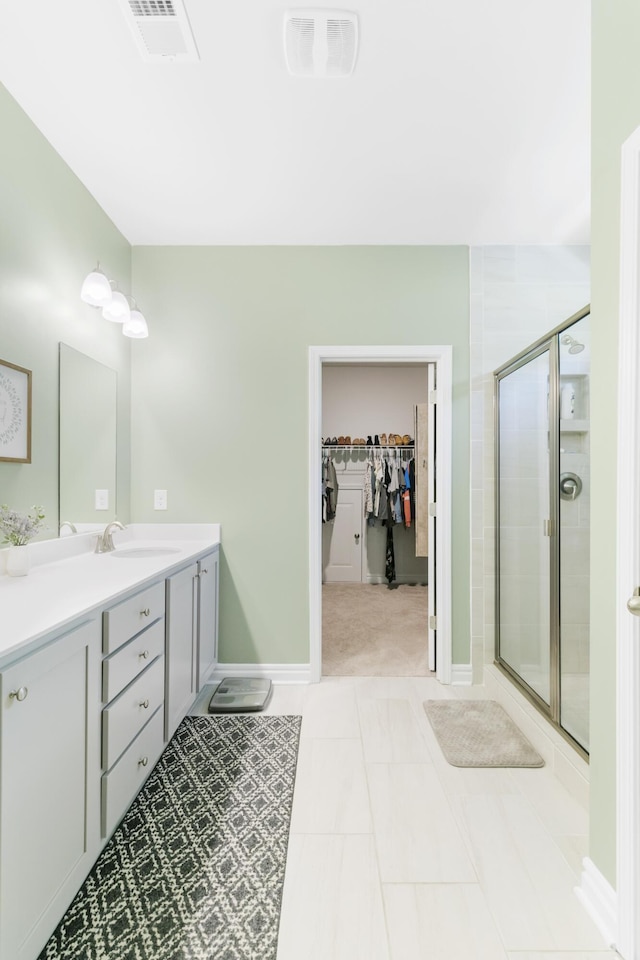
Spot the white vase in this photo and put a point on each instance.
(18, 561)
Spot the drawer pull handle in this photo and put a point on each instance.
(144, 655)
(145, 613)
(20, 694)
(145, 704)
(143, 762)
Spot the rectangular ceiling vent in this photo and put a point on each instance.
(161, 30)
(320, 43)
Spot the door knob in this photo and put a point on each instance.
(633, 603)
(356, 537)
(570, 486)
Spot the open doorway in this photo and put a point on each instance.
(375, 517)
(349, 561)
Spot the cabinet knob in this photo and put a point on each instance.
(143, 761)
(20, 694)
(145, 704)
(206, 570)
(144, 655)
(145, 613)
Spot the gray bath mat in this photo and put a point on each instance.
(478, 733)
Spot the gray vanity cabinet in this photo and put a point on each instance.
(208, 580)
(192, 635)
(49, 784)
(181, 618)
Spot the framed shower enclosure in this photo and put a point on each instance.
(542, 525)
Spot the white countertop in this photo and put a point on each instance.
(68, 580)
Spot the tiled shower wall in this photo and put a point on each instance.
(518, 294)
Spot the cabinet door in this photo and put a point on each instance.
(208, 573)
(180, 659)
(342, 539)
(50, 777)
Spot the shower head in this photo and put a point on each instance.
(574, 345)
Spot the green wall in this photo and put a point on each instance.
(52, 232)
(220, 409)
(615, 115)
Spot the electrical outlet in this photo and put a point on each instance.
(102, 500)
(159, 499)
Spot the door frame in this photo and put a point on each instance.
(442, 357)
(628, 560)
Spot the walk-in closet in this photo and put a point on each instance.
(375, 536)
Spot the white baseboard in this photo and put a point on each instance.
(276, 672)
(600, 900)
(461, 674)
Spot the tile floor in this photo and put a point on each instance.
(395, 855)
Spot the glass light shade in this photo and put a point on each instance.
(96, 289)
(117, 309)
(136, 326)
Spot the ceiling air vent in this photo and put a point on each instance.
(320, 43)
(161, 30)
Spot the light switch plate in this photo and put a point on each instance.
(159, 499)
(102, 500)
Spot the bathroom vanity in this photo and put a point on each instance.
(101, 656)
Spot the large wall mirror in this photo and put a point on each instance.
(88, 441)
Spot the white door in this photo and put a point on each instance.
(432, 525)
(342, 539)
(627, 936)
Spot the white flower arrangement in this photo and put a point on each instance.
(18, 529)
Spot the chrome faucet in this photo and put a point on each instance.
(67, 523)
(104, 543)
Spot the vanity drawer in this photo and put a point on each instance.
(122, 667)
(127, 714)
(128, 618)
(121, 784)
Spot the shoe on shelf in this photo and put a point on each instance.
(340, 441)
(369, 441)
(376, 440)
(347, 441)
(383, 439)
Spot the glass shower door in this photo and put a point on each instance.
(523, 521)
(574, 366)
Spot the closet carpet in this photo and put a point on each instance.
(195, 871)
(369, 630)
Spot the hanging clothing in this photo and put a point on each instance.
(329, 490)
(390, 560)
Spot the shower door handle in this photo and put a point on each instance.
(633, 603)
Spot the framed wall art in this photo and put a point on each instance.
(15, 413)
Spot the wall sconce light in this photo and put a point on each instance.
(117, 310)
(136, 326)
(98, 291)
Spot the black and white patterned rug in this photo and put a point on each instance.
(195, 870)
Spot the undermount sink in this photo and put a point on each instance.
(143, 553)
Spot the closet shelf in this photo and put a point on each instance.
(364, 446)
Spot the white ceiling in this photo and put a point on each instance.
(465, 121)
